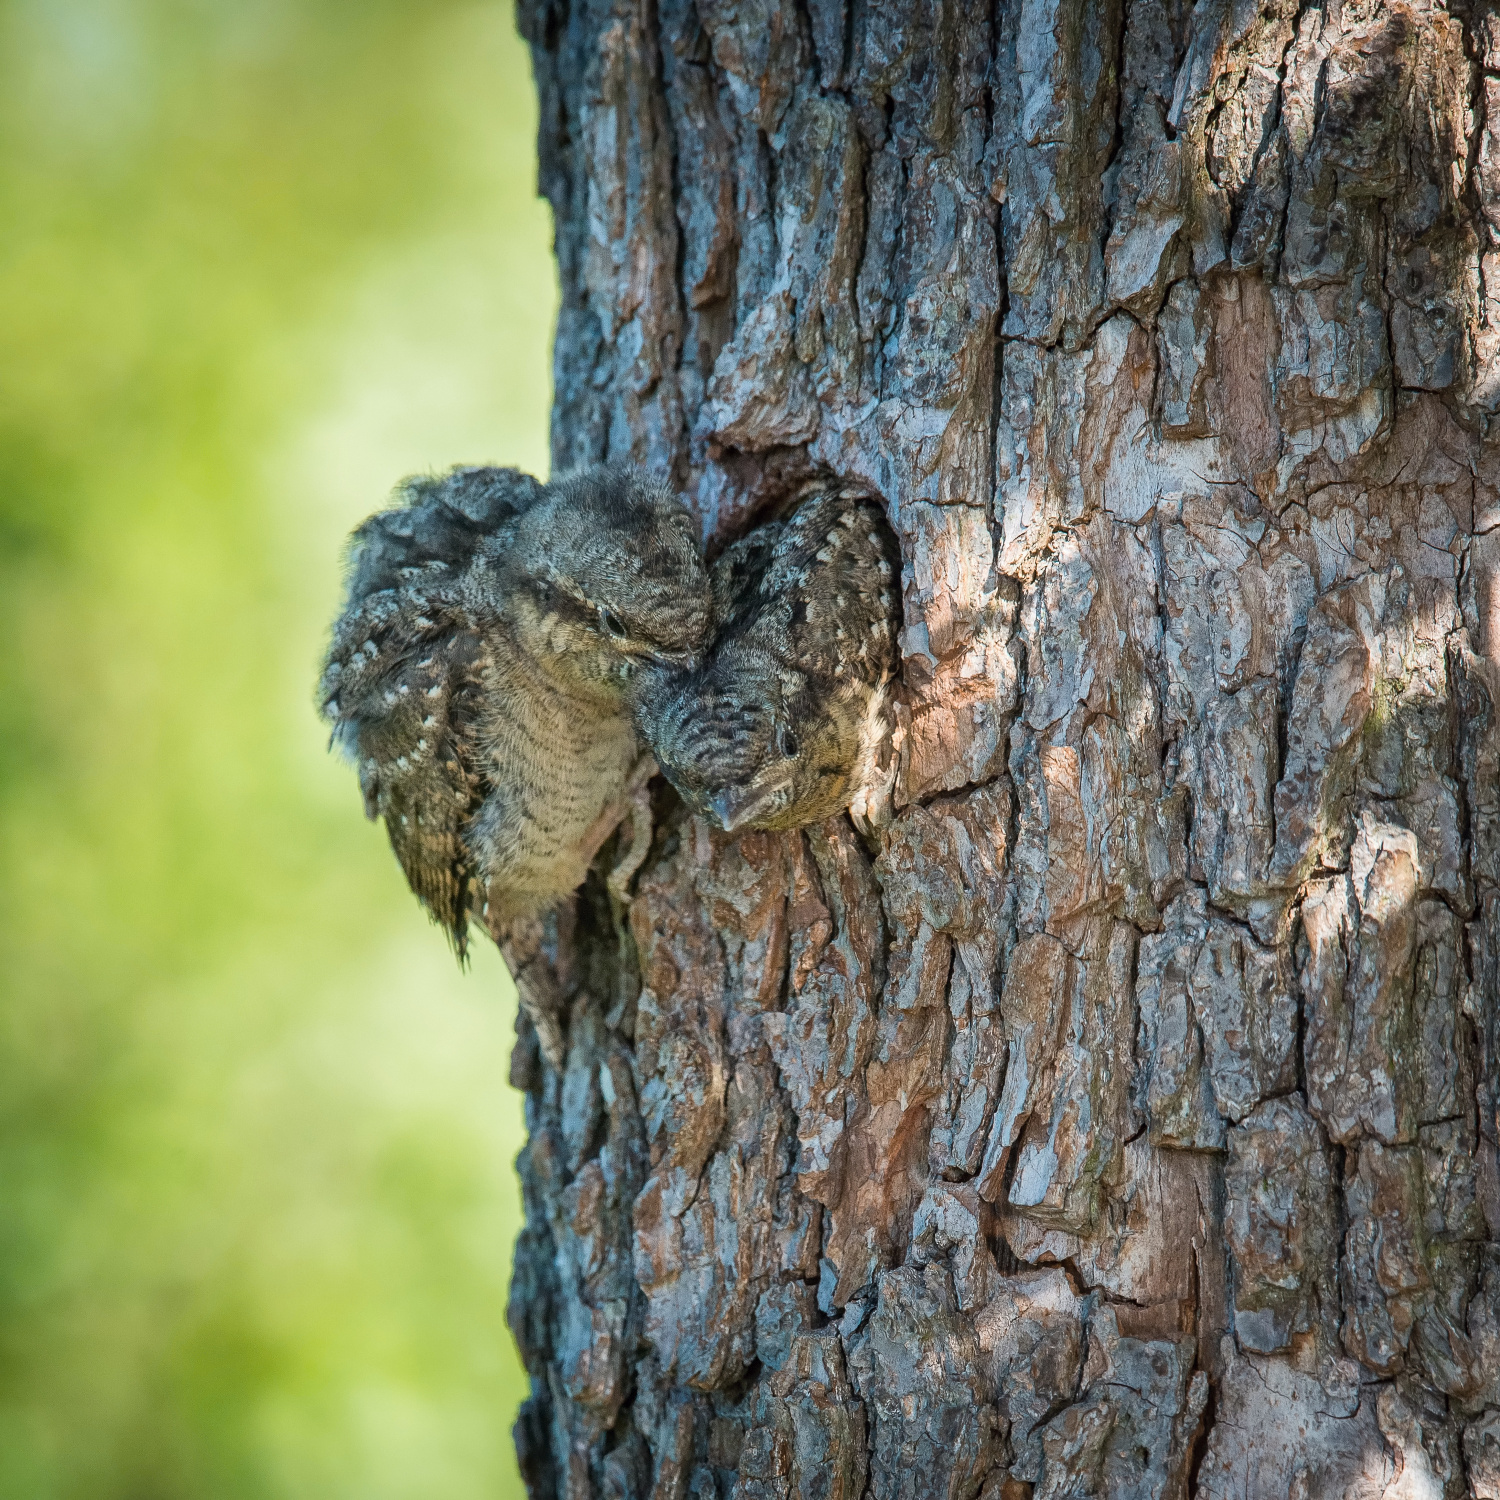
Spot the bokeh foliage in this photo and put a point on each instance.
(256, 1187)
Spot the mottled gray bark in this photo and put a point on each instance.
(1123, 1121)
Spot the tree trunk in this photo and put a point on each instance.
(1123, 1122)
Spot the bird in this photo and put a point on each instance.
(480, 675)
(784, 722)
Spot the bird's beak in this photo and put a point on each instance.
(735, 807)
(730, 809)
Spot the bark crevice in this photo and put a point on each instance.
(1122, 1121)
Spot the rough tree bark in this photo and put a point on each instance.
(1123, 1122)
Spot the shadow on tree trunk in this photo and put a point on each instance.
(1122, 1121)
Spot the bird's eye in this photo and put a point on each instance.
(786, 742)
(611, 622)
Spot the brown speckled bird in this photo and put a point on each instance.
(480, 673)
(783, 724)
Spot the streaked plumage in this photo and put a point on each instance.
(480, 671)
(782, 725)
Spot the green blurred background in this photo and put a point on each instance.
(257, 1198)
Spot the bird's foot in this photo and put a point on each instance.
(638, 814)
(521, 945)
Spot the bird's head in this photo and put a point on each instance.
(750, 744)
(604, 578)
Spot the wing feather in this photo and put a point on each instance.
(404, 675)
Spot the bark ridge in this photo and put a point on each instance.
(1122, 1121)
